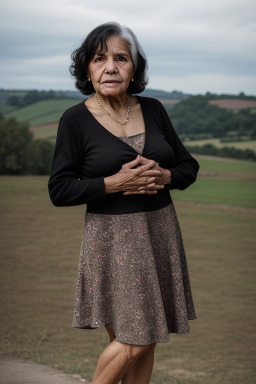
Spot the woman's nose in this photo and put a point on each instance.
(110, 66)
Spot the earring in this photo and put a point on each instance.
(132, 80)
(89, 79)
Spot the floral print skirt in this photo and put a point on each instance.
(133, 277)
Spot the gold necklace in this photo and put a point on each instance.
(119, 122)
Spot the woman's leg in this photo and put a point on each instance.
(116, 360)
(140, 371)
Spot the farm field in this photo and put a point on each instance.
(39, 253)
(233, 103)
(42, 112)
(45, 131)
(250, 144)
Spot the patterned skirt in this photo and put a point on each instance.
(133, 277)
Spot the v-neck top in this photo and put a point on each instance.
(86, 152)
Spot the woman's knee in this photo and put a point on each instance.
(152, 347)
(134, 352)
(111, 334)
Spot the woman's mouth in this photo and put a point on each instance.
(111, 82)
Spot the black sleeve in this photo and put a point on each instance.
(184, 172)
(65, 186)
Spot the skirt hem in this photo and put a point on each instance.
(126, 341)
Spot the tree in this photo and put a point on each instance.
(30, 98)
(42, 157)
(195, 117)
(15, 146)
(19, 153)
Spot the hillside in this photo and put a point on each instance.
(5, 95)
(41, 112)
(201, 121)
(200, 124)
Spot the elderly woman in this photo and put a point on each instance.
(119, 154)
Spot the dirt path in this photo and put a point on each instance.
(43, 126)
(19, 371)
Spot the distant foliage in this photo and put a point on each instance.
(194, 119)
(30, 98)
(241, 95)
(19, 153)
(229, 152)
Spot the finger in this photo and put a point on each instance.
(153, 186)
(133, 192)
(151, 172)
(143, 192)
(149, 180)
(148, 186)
(132, 163)
(159, 186)
(150, 192)
(145, 167)
(144, 160)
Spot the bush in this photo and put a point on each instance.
(19, 153)
(230, 152)
(30, 98)
(42, 157)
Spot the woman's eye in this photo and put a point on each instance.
(121, 58)
(99, 58)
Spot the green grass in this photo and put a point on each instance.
(48, 117)
(39, 253)
(250, 144)
(234, 183)
(224, 166)
(42, 112)
(221, 192)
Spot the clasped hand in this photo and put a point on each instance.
(140, 176)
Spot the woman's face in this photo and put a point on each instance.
(112, 71)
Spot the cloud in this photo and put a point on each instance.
(207, 82)
(182, 39)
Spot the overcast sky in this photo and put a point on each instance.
(192, 45)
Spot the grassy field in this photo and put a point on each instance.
(39, 254)
(233, 184)
(42, 112)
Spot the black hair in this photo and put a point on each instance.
(82, 56)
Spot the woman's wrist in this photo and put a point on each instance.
(167, 176)
(110, 185)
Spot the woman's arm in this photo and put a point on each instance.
(65, 186)
(184, 171)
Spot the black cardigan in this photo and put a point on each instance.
(86, 152)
